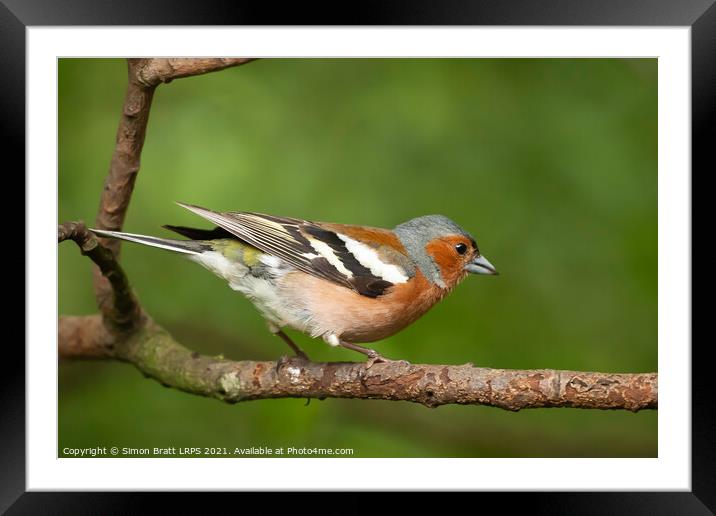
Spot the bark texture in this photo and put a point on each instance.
(159, 356)
(151, 72)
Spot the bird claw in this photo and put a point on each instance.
(377, 358)
(302, 356)
(285, 360)
(282, 361)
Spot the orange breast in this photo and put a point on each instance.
(356, 318)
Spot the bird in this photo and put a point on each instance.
(347, 284)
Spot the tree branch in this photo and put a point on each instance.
(124, 332)
(123, 312)
(154, 352)
(152, 72)
(143, 77)
(84, 337)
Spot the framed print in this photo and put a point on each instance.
(312, 162)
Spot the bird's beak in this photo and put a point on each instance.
(480, 265)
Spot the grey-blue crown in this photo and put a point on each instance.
(415, 235)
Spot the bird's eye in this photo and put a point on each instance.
(461, 248)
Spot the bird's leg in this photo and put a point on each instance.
(298, 351)
(373, 355)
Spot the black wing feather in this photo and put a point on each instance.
(200, 234)
(288, 239)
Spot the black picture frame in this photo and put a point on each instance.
(700, 15)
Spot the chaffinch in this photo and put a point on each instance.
(347, 284)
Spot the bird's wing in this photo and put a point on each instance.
(312, 248)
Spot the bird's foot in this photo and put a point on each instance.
(282, 361)
(285, 360)
(298, 351)
(376, 358)
(373, 356)
(300, 354)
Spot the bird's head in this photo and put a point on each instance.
(443, 251)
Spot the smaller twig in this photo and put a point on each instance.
(124, 313)
(152, 72)
(144, 75)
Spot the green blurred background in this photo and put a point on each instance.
(550, 163)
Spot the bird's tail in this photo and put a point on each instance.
(179, 246)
